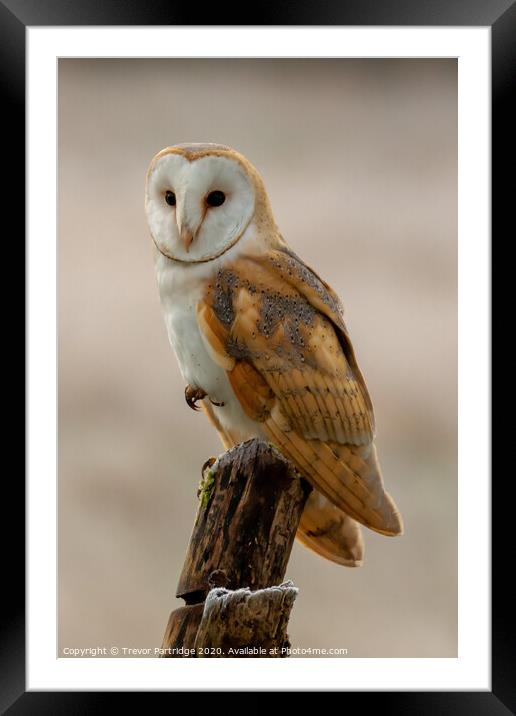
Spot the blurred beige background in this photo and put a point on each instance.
(360, 159)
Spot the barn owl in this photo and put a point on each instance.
(261, 342)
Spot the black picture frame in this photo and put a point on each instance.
(500, 16)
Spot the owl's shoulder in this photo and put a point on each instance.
(292, 269)
(276, 276)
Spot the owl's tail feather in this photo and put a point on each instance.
(330, 532)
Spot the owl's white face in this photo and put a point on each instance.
(197, 209)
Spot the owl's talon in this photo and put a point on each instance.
(209, 463)
(219, 405)
(192, 395)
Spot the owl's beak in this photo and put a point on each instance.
(187, 236)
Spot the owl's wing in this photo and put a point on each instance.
(277, 329)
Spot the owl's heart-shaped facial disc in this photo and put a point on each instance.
(198, 201)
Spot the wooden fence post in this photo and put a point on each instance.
(250, 504)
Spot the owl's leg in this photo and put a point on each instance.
(192, 395)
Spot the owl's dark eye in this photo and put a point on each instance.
(170, 198)
(215, 198)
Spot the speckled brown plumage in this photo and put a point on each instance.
(278, 330)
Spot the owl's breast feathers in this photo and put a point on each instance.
(278, 331)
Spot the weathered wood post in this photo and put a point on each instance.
(250, 504)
